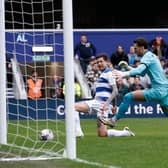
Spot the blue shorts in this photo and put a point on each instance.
(159, 94)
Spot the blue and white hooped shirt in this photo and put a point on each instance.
(104, 85)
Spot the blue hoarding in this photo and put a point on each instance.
(54, 109)
(21, 42)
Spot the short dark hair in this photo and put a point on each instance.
(141, 42)
(83, 34)
(103, 55)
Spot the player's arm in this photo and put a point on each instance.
(140, 71)
(113, 99)
(112, 82)
(113, 96)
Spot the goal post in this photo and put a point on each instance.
(3, 121)
(69, 79)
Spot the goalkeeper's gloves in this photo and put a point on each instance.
(124, 64)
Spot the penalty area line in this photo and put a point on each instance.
(95, 163)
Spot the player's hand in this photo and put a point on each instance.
(104, 107)
(114, 109)
(117, 74)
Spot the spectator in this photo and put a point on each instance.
(92, 61)
(128, 81)
(84, 50)
(159, 47)
(34, 86)
(132, 56)
(136, 85)
(56, 87)
(165, 66)
(122, 89)
(118, 56)
(78, 90)
(110, 65)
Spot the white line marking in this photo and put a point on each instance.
(95, 163)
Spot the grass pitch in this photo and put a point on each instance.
(148, 149)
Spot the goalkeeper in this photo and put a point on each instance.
(150, 65)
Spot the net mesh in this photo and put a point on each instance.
(34, 59)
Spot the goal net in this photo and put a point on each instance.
(35, 74)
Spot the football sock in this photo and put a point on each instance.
(114, 132)
(124, 105)
(77, 123)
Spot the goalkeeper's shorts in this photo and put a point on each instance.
(159, 94)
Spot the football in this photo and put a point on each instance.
(46, 134)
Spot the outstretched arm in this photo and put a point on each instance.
(140, 71)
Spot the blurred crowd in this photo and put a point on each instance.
(156, 45)
(85, 51)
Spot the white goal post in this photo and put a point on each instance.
(69, 78)
(3, 121)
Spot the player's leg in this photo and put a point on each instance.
(78, 129)
(93, 106)
(153, 94)
(79, 107)
(123, 107)
(128, 98)
(118, 133)
(82, 107)
(101, 129)
(104, 132)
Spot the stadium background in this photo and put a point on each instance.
(89, 17)
(95, 14)
(104, 40)
(149, 147)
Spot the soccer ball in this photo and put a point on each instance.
(46, 134)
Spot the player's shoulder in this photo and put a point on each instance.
(107, 70)
(149, 55)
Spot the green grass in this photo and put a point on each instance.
(148, 149)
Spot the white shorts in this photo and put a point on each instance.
(95, 107)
